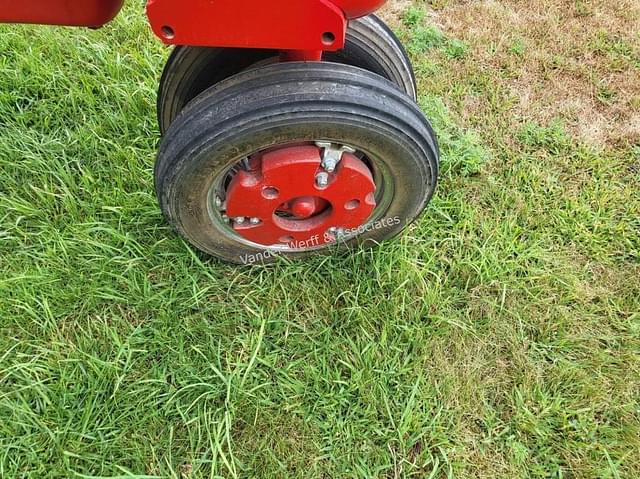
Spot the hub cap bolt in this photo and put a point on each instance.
(239, 220)
(330, 165)
(332, 154)
(254, 221)
(322, 179)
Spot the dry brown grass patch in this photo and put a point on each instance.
(561, 59)
(393, 10)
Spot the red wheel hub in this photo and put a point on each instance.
(282, 201)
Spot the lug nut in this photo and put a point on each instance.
(254, 221)
(218, 202)
(322, 179)
(239, 220)
(330, 165)
(332, 154)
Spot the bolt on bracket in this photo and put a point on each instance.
(332, 154)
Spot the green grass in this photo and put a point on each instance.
(499, 337)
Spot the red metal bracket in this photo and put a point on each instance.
(311, 25)
(277, 24)
(302, 29)
(85, 13)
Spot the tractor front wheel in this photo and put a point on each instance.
(295, 158)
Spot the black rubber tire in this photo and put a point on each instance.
(293, 102)
(189, 71)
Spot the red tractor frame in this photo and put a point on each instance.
(289, 126)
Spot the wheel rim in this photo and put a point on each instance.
(292, 198)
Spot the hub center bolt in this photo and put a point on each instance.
(303, 207)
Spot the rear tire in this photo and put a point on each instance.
(189, 71)
(294, 103)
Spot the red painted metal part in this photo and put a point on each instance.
(301, 28)
(358, 8)
(281, 192)
(311, 25)
(86, 13)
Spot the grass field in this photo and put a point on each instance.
(498, 338)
